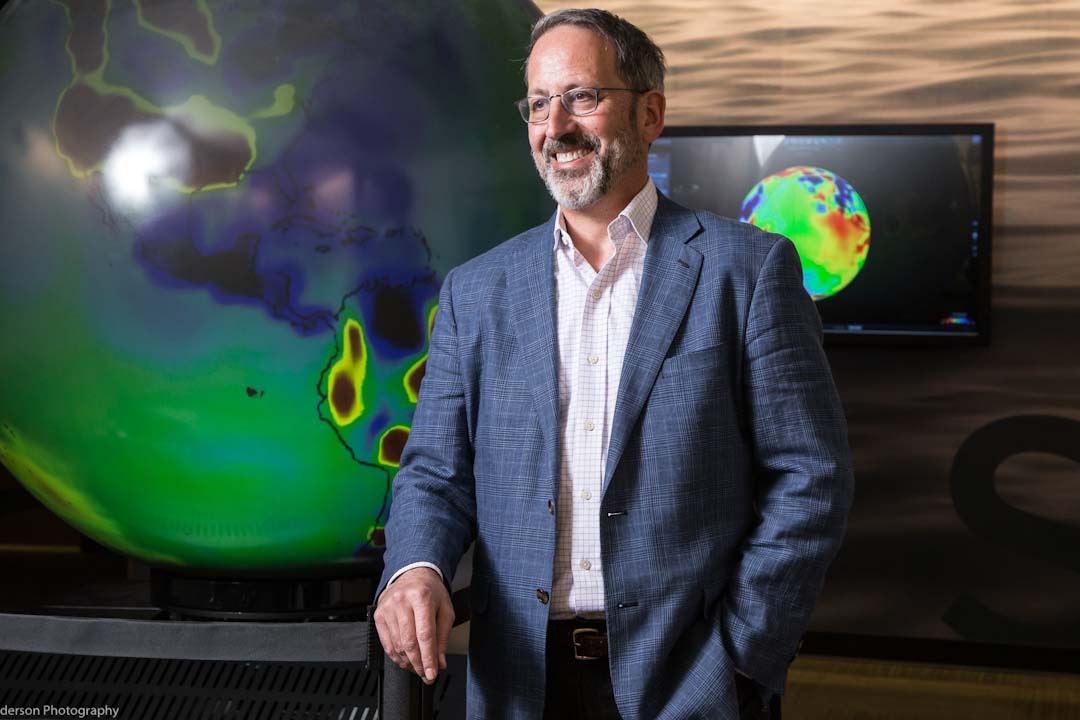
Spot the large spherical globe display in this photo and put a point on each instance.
(224, 228)
(823, 215)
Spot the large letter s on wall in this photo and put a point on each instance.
(989, 516)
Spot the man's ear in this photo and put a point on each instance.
(652, 117)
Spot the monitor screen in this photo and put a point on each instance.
(892, 222)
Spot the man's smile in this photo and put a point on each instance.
(571, 159)
(571, 156)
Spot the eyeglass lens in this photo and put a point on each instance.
(579, 101)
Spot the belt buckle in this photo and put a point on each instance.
(577, 647)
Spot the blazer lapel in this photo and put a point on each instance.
(668, 280)
(531, 287)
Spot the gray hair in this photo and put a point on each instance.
(638, 60)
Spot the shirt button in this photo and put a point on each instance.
(542, 596)
(596, 295)
(551, 506)
(586, 495)
(593, 359)
(585, 564)
(590, 425)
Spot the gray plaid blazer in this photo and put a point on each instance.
(728, 477)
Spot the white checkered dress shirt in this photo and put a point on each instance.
(593, 315)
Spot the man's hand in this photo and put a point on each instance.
(414, 617)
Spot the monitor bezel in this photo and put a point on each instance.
(984, 273)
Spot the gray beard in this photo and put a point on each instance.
(577, 190)
(580, 189)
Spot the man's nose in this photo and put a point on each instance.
(560, 122)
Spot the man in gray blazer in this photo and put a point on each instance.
(629, 411)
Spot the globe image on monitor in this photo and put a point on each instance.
(823, 215)
(225, 226)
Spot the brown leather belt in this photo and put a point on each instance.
(578, 638)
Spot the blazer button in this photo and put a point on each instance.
(551, 506)
(542, 596)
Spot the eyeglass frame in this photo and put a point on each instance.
(523, 104)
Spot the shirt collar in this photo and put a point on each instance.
(640, 212)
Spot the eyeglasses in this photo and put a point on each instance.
(577, 102)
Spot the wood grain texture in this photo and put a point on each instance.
(844, 689)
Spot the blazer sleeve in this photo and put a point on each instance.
(803, 483)
(433, 510)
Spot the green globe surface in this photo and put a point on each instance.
(225, 225)
(823, 215)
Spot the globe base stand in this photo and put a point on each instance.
(286, 599)
(85, 634)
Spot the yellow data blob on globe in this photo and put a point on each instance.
(823, 215)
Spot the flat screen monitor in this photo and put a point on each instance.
(892, 222)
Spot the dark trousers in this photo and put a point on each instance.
(750, 705)
(576, 688)
(582, 688)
